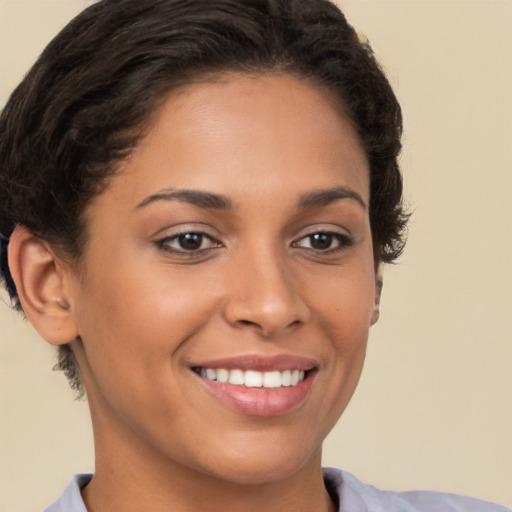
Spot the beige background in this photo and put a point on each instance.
(434, 407)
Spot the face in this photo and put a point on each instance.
(228, 282)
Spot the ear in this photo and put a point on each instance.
(42, 283)
(378, 292)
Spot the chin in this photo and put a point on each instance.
(264, 466)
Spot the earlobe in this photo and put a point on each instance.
(42, 286)
(378, 292)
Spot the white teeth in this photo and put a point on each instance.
(286, 378)
(272, 379)
(211, 374)
(295, 376)
(236, 377)
(254, 379)
(222, 375)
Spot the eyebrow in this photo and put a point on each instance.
(201, 199)
(194, 197)
(319, 198)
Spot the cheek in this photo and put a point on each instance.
(134, 324)
(142, 299)
(344, 309)
(346, 322)
(344, 299)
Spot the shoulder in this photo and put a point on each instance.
(71, 499)
(355, 495)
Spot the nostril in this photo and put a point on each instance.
(247, 323)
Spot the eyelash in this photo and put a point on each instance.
(164, 243)
(343, 242)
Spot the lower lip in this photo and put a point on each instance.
(263, 402)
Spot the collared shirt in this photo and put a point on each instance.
(353, 496)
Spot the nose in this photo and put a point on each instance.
(264, 296)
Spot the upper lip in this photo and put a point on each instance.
(260, 363)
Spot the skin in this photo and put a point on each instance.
(146, 310)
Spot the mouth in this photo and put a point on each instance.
(252, 378)
(259, 386)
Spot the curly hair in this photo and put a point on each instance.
(84, 104)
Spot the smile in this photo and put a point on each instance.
(252, 378)
(258, 386)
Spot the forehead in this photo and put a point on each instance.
(247, 133)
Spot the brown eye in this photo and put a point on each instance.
(187, 243)
(324, 242)
(321, 241)
(190, 241)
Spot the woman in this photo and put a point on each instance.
(197, 199)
